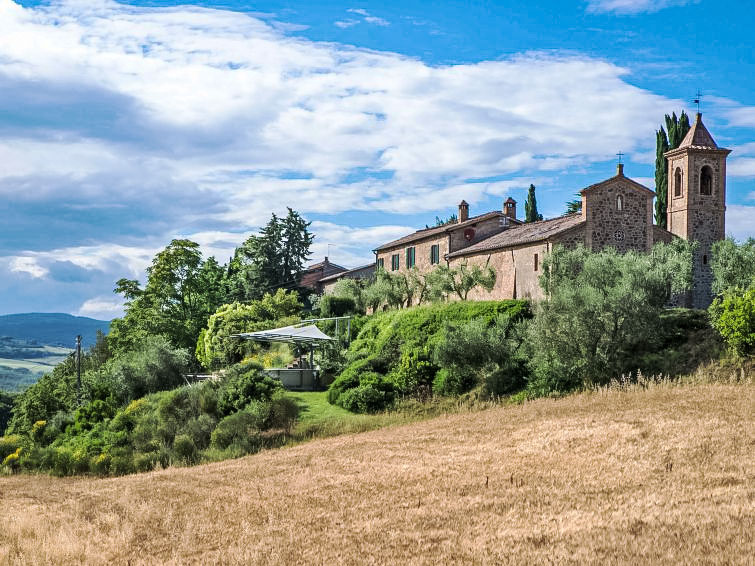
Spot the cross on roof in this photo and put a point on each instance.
(698, 100)
(620, 156)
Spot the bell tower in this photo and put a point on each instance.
(697, 202)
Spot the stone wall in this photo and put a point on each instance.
(627, 229)
(503, 263)
(482, 230)
(421, 253)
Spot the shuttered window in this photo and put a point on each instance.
(395, 262)
(410, 257)
(435, 254)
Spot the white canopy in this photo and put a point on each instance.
(300, 335)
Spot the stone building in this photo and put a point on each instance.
(617, 212)
(362, 273)
(697, 202)
(426, 248)
(312, 275)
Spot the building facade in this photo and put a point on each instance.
(617, 212)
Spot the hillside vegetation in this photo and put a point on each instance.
(657, 475)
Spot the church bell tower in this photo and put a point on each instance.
(697, 202)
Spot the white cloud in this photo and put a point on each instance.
(27, 265)
(633, 6)
(740, 221)
(101, 308)
(344, 24)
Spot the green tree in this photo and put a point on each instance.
(598, 306)
(574, 206)
(180, 293)
(530, 207)
(271, 260)
(461, 280)
(733, 316)
(733, 265)
(215, 348)
(677, 129)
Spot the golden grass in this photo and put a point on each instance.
(663, 475)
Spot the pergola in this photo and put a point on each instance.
(302, 336)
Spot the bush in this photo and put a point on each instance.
(397, 345)
(10, 444)
(239, 429)
(331, 305)
(184, 449)
(733, 316)
(373, 394)
(243, 384)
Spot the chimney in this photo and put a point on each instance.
(509, 208)
(620, 170)
(463, 211)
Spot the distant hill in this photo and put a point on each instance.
(51, 329)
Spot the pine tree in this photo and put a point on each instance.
(530, 207)
(677, 128)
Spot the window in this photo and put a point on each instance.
(706, 181)
(380, 263)
(395, 262)
(705, 260)
(535, 262)
(435, 254)
(619, 203)
(410, 257)
(678, 182)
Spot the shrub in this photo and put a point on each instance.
(184, 449)
(330, 305)
(733, 316)
(283, 413)
(10, 444)
(415, 373)
(243, 384)
(238, 429)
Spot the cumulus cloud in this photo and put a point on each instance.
(123, 126)
(633, 6)
(102, 308)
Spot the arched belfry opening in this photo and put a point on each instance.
(678, 182)
(706, 180)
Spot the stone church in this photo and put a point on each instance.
(617, 212)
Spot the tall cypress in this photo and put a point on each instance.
(677, 128)
(530, 207)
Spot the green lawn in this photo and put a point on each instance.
(318, 418)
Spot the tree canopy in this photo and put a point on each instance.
(530, 207)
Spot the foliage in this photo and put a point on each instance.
(6, 405)
(733, 316)
(332, 305)
(733, 265)
(480, 352)
(397, 347)
(272, 260)
(677, 129)
(353, 289)
(598, 306)
(530, 207)
(181, 292)
(574, 206)
(244, 383)
(459, 281)
(215, 348)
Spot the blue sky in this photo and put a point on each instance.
(124, 125)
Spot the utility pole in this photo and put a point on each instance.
(78, 370)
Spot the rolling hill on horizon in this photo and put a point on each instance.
(53, 329)
(31, 344)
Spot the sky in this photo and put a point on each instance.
(124, 125)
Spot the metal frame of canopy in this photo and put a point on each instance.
(309, 336)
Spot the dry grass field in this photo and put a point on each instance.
(664, 475)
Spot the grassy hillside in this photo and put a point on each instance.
(657, 475)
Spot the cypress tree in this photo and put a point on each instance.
(677, 128)
(530, 207)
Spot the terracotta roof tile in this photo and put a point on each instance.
(523, 234)
(438, 230)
